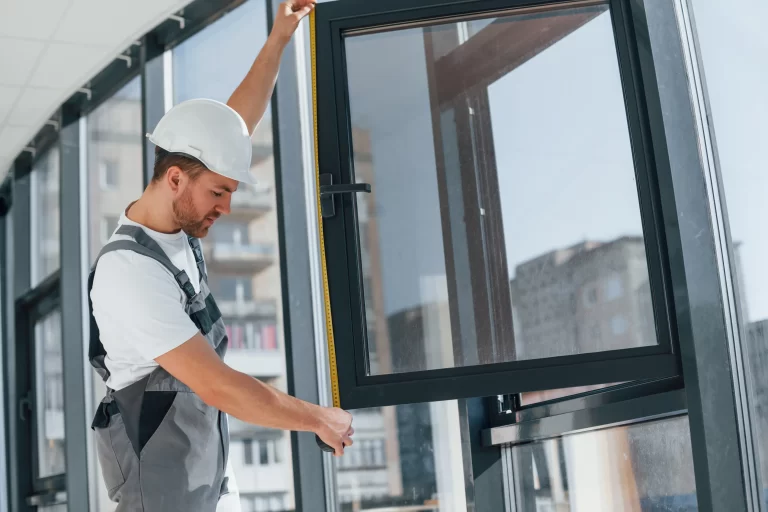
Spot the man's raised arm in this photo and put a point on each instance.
(252, 96)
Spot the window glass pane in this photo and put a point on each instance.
(486, 238)
(404, 456)
(646, 467)
(241, 249)
(115, 166)
(45, 239)
(733, 43)
(49, 396)
(115, 179)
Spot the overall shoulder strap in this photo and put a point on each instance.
(132, 245)
(197, 249)
(143, 244)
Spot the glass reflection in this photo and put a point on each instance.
(115, 179)
(241, 251)
(406, 457)
(504, 222)
(644, 468)
(44, 208)
(49, 396)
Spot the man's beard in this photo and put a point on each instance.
(187, 217)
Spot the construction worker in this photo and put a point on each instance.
(157, 336)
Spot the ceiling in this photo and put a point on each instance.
(51, 48)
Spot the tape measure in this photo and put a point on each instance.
(326, 296)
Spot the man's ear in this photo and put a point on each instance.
(173, 176)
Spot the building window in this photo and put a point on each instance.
(614, 289)
(263, 453)
(619, 325)
(590, 296)
(238, 288)
(109, 171)
(253, 335)
(248, 452)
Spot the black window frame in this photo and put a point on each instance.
(356, 388)
(30, 309)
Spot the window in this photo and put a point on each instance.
(238, 288)
(613, 288)
(109, 173)
(248, 451)
(211, 64)
(490, 262)
(115, 167)
(263, 452)
(618, 325)
(230, 232)
(737, 108)
(408, 455)
(590, 296)
(44, 195)
(647, 466)
(115, 179)
(49, 396)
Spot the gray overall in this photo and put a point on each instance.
(161, 448)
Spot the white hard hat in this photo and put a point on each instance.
(211, 132)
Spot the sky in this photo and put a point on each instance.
(734, 49)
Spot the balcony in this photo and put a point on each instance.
(247, 258)
(247, 308)
(249, 203)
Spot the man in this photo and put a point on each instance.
(157, 337)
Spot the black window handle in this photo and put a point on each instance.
(328, 190)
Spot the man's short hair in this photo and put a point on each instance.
(163, 160)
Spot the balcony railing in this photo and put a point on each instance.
(255, 198)
(244, 257)
(242, 251)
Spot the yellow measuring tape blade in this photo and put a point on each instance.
(326, 296)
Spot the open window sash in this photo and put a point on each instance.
(490, 214)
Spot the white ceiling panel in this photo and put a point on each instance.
(35, 105)
(51, 48)
(65, 63)
(93, 21)
(31, 19)
(12, 140)
(18, 58)
(8, 96)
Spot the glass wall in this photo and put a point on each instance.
(241, 251)
(115, 178)
(407, 457)
(49, 397)
(733, 44)
(44, 205)
(115, 166)
(646, 467)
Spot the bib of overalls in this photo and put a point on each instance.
(160, 447)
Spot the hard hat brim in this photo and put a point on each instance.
(242, 177)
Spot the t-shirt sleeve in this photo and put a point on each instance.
(136, 299)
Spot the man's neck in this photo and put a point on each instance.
(147, 212)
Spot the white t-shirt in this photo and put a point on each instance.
(139, 306)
